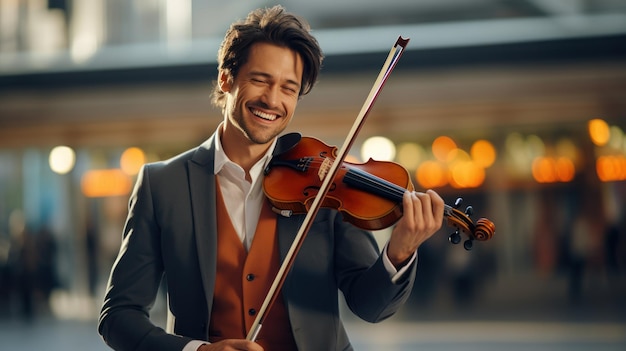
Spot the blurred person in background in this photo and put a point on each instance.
(23, 266)
(201, 221)
(29, 272)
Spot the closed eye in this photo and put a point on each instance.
(290, 89)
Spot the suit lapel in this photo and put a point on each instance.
(202, 189)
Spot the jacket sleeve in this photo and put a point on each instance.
(135, 279)
(362, 277)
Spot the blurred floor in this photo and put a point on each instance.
(525, 314)
(64, 335)
(50, 334)
(478, 335)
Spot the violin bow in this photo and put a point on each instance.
(327, 173)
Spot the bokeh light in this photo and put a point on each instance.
(131, 160)
(616, 137)
(466, 174)
(543, 170)
(552, 170)
(611, 168)
(565, 169)
(378, 148)
(457, 155)
(442, 146)
(410, 155)
(431, 174)
(598, 131)
(517, 158)
(535, 146)
(105, 182)
(483, 153)
(62, 159)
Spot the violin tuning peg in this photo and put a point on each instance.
(458, 202)
(468, 244)
(469, 210)
(455, 238)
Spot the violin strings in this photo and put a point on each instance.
(390, 190)
(368, 181)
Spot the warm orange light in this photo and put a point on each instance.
(131, 160)
(442, 146)
(599, 131)
(483, 153)
(611, 168)
(431, 174)
(467, 175)
(565, 169)
(551, 170)
(605, 168)
(105, 182)
(457, 155)
(543, 170)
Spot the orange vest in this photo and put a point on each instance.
(243, 280)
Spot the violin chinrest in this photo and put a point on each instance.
(286, 142)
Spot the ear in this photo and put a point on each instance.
(224, 80)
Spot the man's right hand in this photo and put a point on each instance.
(231, 345)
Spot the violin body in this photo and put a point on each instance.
(293, 179)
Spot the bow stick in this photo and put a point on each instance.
(328, 173)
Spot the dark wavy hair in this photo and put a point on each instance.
(268, 25)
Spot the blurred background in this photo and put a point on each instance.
(516, 106)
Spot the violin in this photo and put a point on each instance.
(368, 195)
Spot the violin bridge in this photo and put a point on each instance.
(324, 168)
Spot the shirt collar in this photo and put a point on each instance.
(222, 159)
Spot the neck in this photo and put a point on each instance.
(240, 150)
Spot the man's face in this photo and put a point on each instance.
(262, 99)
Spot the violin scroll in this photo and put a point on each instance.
(482, 230)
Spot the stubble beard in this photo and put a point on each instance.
(258, 136)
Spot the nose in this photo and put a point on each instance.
(270, 95)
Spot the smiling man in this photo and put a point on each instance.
(201, 222)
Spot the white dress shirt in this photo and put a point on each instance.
(243, 199)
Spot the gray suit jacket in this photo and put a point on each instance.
(171, 231)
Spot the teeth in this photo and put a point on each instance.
(267, 116)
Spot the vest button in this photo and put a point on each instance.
(250, 277)
(252, 311)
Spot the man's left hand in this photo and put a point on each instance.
(422, 217)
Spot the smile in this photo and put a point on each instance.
(264, 115)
